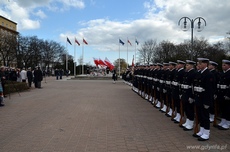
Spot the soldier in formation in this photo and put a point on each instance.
(192, 93)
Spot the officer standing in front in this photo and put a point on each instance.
(204, 92)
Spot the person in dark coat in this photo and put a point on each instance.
(13, 75)
(114, 77)
(57, 73)
(29, 76)
(38, 77)
(3, 79)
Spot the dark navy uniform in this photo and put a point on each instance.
(168, 83)
(224, 96)
(214, 105)
(187, 95)
(204, 92)
(176, 92)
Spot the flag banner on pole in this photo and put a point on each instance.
(129, 42)
(109, 64)
(69, 41)
(133, 62)
(96, 61)
(76, 41)
(136, 42)
(120, 41)
(85, 42)
(101, 63)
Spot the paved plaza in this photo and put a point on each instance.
(93, 116)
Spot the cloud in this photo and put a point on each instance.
(40, 14)
(160, 22)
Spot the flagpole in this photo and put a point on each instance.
(82, 57)
(66, 57)
(119, 59)
(127, 53)
(135, 49)
(74, 60)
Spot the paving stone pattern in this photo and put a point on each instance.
(92, 116)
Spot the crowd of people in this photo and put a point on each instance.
(60, 72)
(19, 75)
(192, 93)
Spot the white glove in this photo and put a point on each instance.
(152, 86)
(215, 96)
(164, 90)
(158, 89)
(180, 96)
(190, 100)
(206, 106)
(226, 98)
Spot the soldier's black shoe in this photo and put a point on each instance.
(195, 135)
(186, 129)
(176, 122)
(222, 128)
(181, 126)
(1, 105)
(168, 115)
(216, 126)
(201, 139)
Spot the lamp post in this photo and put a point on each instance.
(199, 26)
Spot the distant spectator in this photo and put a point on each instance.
(56, 72)
(29, 75)
(19, 79)
(23, 75)
(13, 75)
(38, 77)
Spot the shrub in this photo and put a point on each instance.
(13, 86)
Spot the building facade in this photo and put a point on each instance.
(8, 29)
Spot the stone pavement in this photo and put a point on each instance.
(93, 115)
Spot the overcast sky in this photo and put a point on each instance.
(102, 22)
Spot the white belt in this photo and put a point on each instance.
(144, 77)
(199, 89)
(150, 78)
(184, 86)
(155, 79)
(175, 83)
(161, 81)
(223, 86)
(168, 82)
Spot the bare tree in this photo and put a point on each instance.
(147, 51)
(165, 51)
(8, 47)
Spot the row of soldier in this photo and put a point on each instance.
(192, 93)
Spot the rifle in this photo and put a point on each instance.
(181, 113)
(173, 110)
(154, 92)
(167, 103)
(196, 127)
(215, 113)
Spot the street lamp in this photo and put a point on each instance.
(199, 26)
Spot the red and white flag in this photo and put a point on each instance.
(109, 64)
(129, 42)
(96, 61)
(85, 41)
(101, 63)
(77, 42)
(133, 62)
